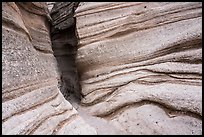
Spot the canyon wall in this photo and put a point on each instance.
(140, 65)
(31, 100)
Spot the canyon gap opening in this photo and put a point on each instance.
(64, 44)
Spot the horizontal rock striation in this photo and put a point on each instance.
(31, 100)
(140, 56)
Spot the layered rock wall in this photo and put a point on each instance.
(31, 100)
(140, 65)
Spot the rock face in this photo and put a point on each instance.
(64, 45)
(31, 100)
(140, 68)
(140, 65)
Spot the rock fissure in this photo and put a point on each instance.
(64, 44)
(99, 87)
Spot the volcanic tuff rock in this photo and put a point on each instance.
(64, 44)
(31, 100)
(140, 68)
(140, 65)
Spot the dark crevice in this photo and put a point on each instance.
(64, 44)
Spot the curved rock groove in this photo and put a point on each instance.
(23, 110)
(66, 121)
(169, 110)
(36, 125)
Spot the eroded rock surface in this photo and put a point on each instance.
(140, 68)
(31, 100)
(140, 65)
(64, 45)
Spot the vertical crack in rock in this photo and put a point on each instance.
(64, 44)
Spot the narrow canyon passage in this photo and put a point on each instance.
(126, 72)
(87, 68)
(64, 44)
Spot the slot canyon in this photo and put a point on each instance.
(101, 68)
